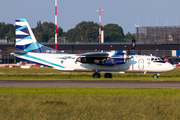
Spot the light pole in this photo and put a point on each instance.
(55, 24)
(100, 23)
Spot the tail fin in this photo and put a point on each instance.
(26, 41)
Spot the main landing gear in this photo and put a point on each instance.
(97, 75)
(108, 75)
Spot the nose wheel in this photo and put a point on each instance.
(155, 75)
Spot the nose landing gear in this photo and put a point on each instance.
(155, 75)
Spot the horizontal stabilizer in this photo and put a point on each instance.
(15, 50)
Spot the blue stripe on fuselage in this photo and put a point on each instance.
(41, 60)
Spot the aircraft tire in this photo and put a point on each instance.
(96, 75)
(155, 76)
(108, 75)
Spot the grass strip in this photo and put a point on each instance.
(89, 103)
(51, 74)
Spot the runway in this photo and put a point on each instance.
(91, 84)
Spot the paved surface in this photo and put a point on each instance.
(92, 84)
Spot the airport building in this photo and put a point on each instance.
(158, 34)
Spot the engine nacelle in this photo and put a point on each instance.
(93, 60)
(117, 58)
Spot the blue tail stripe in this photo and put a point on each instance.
(21, 20)
(34, 46)
(26, 34)
(20, 28)
(22, 47)
(17, 20)
(28, 37)
(26, 31)
(21, 36)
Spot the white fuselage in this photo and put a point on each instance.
(67, 62)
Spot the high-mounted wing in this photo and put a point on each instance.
(98, 58)
(103, 58)
(96, 54)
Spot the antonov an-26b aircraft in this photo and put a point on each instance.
(27, 49)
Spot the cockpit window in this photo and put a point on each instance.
(157, 59)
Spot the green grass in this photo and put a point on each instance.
(51, 74)
(89, 103)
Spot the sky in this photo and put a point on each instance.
(125, 13)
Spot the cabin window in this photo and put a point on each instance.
(62, 61)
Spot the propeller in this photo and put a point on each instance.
(132, 48)
(133, 44)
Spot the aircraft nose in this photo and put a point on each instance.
(169, 67)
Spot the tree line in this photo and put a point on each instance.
(84, 32)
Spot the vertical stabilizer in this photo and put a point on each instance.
(26, 41)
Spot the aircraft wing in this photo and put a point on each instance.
(96, 54)
(98, 58)
(15, 50)
(103, 58)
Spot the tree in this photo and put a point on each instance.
(7, 30)
(60, 31)
(83, 32)
(11, 33)
(3, 30)
(129, 37)
(48, 31)
(39, 32)
(113, 33)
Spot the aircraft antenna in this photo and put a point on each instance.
(55, 24)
